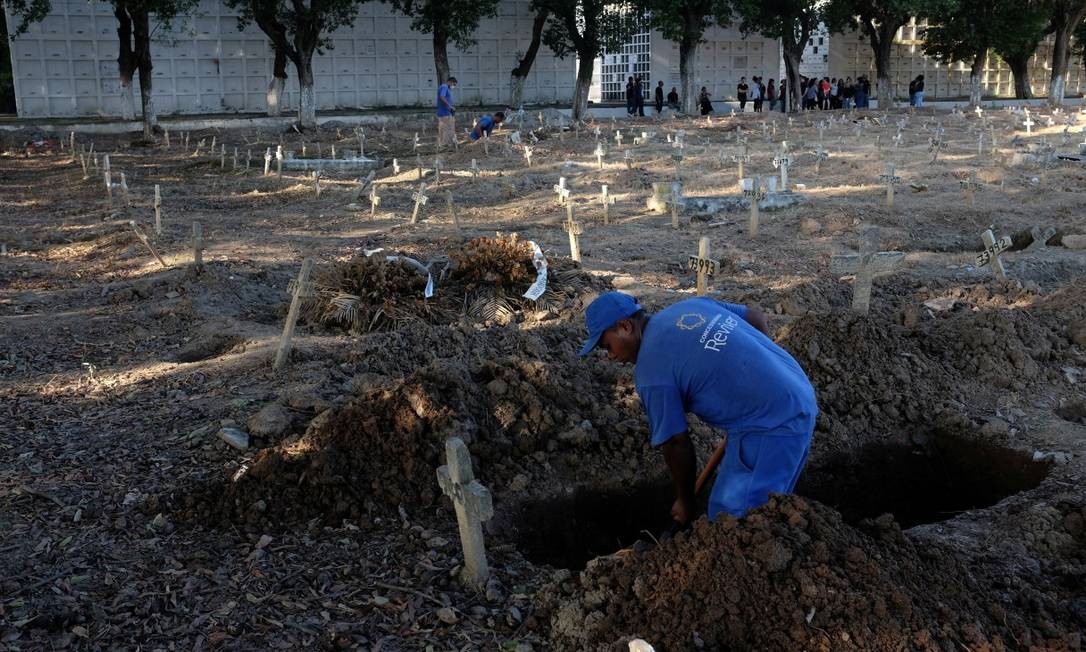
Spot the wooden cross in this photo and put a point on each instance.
(676, 202)
(418, 165)
(317, 183)
(1039, 238)
(438, 163)
(703, 265)
(599, 155)
(83, 162)
(970, 186)
(980, 143)
(362, 185)
(474, 169)
(865, 266)
(741, 158)
(165, 138)
(575, 230)
(936, 143)
(891, 180)
(333, 151)
(597, 133)
(267, 161)
(562, 191)
(158, 210)
(618, 137)
(782, 161)
(124, 191)
(395, 166)
(197, 247)
(212, 148)
(756, 192)
(108, 176)
(222, 156)
(473, 505)
(279, 162)
(235, 158)
(415, 143)
(528, 154)
(375, 200)
(821, 129)
(820, 158)
(1028, 124)
(419, 197)
(147, 243)
(677, 156)
(992, 249)
(606, 199)
(453, 214)
(628, 158)
(300, 290)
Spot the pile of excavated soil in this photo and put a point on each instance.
(791, 575)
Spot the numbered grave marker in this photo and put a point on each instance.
(703, 265)
(992, 250)
(420, 198)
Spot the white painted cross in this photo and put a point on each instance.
(528, 154)
(108, 176)
(597, 133)
(618, 137)
(865, 266)
(1028, 123)
(158, 210)
(124, 191)
(197, 247)
(628, 158)
(395, 166)
(599, 153)
(677, 156)
(474, 169)
(753, 189)
(419, 197)
(992, 249)
(1039, 238)
(317, 183)
(703, 265)
(891, 180)
(375, 200)
(606, 199)
(782, 161)
(438, 164)
(473, 505)
(562, 191)
(279, 162)
(300, 290)
(741, 158)
(676, 202)
(267, 161)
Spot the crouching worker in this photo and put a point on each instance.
(717, 361)
(486, 124)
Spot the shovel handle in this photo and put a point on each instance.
(710, 466)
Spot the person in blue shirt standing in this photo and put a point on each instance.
(446, 114)
(717, 361)
(486, 124)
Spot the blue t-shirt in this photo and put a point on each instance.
(701, 356)
(485, 125)
(445, 92)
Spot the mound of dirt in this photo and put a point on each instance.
(791, 575)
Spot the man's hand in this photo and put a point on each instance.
(452, 111)
(682, 513)
(681, 461)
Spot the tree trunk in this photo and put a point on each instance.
(307, 102)
(142, 31)
(1061, 51)
(524, 66)
(126, 60)
(974, 77)
(585, 63)
(1019, 65)
(278, 81)
(441, 55)
(688, 50)
(792, 59)
(885, 86)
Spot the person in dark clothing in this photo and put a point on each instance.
(639, 97)
(782, 92)
(659, 98)
(673, 99)
(704, 101)
(741, 92)
(629, 96)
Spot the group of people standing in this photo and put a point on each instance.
(833, 93)
(757, 92)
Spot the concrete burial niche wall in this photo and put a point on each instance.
(850, 55)
(66, 65)
(723, 57)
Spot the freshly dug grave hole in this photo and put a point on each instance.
(949, 475)
(567, 531)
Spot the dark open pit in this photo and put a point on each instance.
(568, 531)
(921, 484)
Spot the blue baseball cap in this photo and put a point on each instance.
(605, 312)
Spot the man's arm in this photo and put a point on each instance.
(681, 461)
(757, 319)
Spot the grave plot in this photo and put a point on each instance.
(166, 483)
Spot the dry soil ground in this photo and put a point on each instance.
(956, 405)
